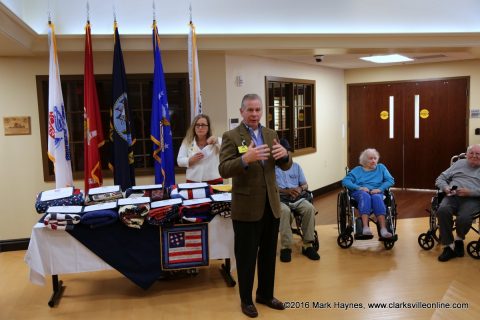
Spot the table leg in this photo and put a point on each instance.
(58, 289)
(225, 270)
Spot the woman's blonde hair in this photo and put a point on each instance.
(363, 159)
(191, 130)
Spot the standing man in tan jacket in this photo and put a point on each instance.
(249, 154)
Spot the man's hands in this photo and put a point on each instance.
(293, 192)
(461, 192)
(262, 152)
(278, 151)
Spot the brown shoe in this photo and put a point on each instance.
(249, 310)
(273, 303)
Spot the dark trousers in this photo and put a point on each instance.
(464, 208)
(256, 243)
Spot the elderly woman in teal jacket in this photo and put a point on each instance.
(367, 183)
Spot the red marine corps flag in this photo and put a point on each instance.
(93, 133)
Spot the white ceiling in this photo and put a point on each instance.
(341, 30)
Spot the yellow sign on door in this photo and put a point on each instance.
(424, 113)
(384, 115)
(300, 116)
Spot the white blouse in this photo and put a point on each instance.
(204, 170)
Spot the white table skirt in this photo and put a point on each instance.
(55, 252)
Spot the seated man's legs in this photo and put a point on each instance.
(285, 230)
(364, 202)
(468, 206)
(379, 210)
(307, 211)
(447, 208)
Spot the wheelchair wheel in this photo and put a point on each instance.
(316, 243)
(392, 215)
(345, 241)
(473, 249)
(388, 244)
(342, 207)
(426, 241)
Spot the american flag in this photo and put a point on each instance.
(185, 246)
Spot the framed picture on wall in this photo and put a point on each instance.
(16, 125)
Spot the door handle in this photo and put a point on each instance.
(391, 111)
(416, 116)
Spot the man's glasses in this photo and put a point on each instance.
(200, 126)
(474, 154)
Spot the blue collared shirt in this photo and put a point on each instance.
(257, 138)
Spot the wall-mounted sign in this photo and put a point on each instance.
(384, 115)
(300, 116)
(16, 125)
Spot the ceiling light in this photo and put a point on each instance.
(389, 58)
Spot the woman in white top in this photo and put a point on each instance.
(199, 152)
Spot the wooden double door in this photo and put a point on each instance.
(416, 126)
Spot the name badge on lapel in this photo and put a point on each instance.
(243, 148)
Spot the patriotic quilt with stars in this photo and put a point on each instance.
(184, 246)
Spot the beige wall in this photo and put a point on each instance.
(427, 71)
(327, 164)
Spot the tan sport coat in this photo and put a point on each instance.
(251, 185)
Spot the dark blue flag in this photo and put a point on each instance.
(121, 124)
(161, 133)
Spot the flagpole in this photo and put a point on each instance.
(88, 12)
(193, 73)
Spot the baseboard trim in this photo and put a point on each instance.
(327, 189)
(14, 244)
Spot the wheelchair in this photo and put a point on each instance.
(427, 239)
(350, 223)
(296, 220)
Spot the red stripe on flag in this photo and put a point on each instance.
(184, 253)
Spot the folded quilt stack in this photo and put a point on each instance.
(188, 203)
(195, 211)
(132, 211)
(103, 197)
(154, 194)
(191, 193)
(61, 221)
(223, 208)
(163, 216)
(103, 216)
(58, 197)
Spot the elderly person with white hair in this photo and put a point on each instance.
(461, 185)
(367, 183)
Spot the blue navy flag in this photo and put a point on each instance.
(121, 124)
(161, 133)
